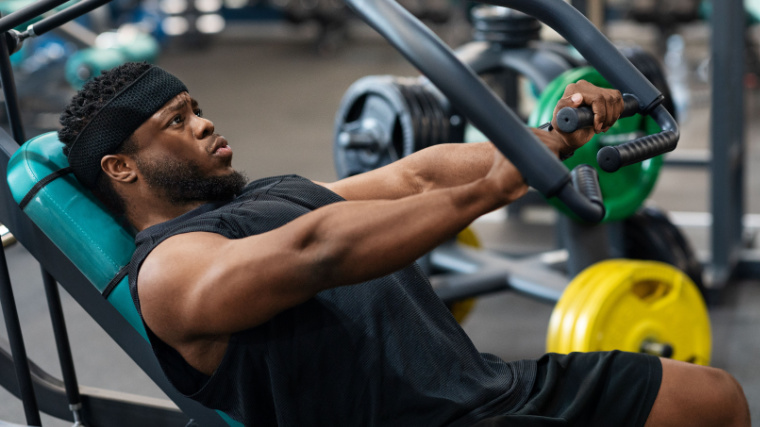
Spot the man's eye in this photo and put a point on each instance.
(199, 112)
(176, 120)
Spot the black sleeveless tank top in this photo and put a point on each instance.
(384, 352)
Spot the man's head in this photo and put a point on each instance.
(137, 122)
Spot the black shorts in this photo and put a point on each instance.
(588, 389)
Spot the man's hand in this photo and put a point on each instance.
(607, 105)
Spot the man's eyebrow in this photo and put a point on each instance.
(174, 108)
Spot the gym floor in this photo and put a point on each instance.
(275, 99)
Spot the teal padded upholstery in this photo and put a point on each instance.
(75, 221)
(81, 227)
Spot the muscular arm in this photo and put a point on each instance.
(436, 167)
(197, 285)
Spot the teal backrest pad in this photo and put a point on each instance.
(74, 220)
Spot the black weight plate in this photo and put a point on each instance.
(427, 111)
(433, 120)
(415, 111)
(373, 105)
(649, 235)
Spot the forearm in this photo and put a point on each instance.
(436, 167)
(439, 166)
(356, 241)
(450, 165)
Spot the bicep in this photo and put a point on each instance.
(198, 284)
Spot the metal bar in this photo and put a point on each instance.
(473, 272)
(587, 244)
(27, 13)
(64, 347)
(102, 407)
(78, 33)
(9, 91)
(689, 158)
(727, 136)
(7, 299)
(64, 16)
(21, 364)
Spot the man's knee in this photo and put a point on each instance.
(731, 397)
(696, 395)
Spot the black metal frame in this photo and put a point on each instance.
(728, 257)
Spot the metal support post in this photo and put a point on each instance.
(64, 347)
(11, 99)
(727, 136)
(7, 300)
(20, 360)
(588, 244)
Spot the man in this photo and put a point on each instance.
(289, 302)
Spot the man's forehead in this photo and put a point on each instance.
(176, 103)
(171, 106)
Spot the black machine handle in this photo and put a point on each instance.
(540, 168)
(570, 119)
(586, 181)
(612, 158)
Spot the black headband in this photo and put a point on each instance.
(118, 119)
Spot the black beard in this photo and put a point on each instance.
(183, 182)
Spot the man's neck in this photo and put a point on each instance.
(144, 218)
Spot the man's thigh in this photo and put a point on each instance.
(589, 389)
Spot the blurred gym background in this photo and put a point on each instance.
(271, 74)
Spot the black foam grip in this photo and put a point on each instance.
(612, 158)
(586, 180)
(570, 119)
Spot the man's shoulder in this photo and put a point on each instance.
(268, 183)
(292, 188)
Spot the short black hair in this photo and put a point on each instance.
(83, 107)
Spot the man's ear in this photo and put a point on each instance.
(119, 167)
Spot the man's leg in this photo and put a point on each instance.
(692, 395)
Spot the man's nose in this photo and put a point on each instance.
(203, 127)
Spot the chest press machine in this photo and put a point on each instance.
(82, 247)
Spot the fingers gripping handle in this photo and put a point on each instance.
(612, 158)
(570, 119)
